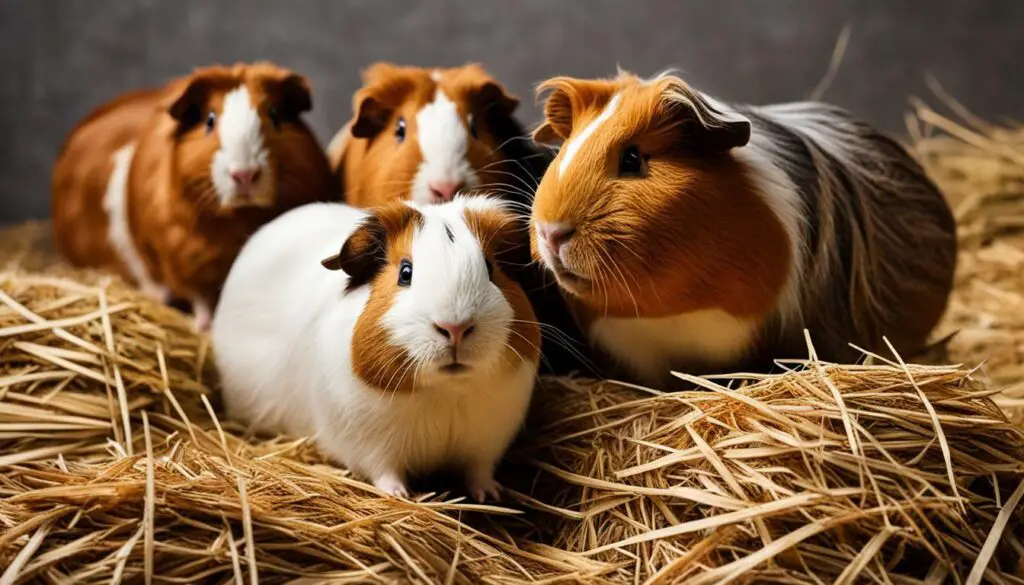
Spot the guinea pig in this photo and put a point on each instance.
(393, 336)
(164, 186)
(425, 134)
(699, 236)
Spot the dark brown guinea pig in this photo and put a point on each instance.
(165, 186)
(698, 236)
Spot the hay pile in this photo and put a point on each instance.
(980, 167)
(114, 465)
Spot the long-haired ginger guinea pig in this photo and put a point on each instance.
(426, 134)
(697, 236)
(407, 351)
(166, 185)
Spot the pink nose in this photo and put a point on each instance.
(554, 235)
(444, 190)
(244, 178)
(454, 332)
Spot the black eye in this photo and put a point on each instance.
(490, 270)
(400, 131)
(472, 125)
(211, 121)
(405, 273)
(631, 164)
(275, 116)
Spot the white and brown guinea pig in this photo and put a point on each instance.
(693, 235)
(407, 351)
(165, 186)
(425, 134)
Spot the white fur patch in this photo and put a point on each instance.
(115, 202)
(338, 142)
(577, 141)
(443, 141)
(782, 197)
(652, 348)
(241, 142)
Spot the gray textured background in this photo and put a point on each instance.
(60, 58)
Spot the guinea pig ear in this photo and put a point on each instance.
(704, 126)
(371, 114)
(362, 255)
(567, 96)
(186, 98)
(293, 90)
(491, 97)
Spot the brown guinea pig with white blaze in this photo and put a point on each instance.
(425, 134)
(407, 351)
(698, 236)
(164, 186)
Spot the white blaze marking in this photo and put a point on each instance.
(241, 141)
(443, 141)
(574, 145)
(115, 202)
(435, 75)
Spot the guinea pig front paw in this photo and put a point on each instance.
(392, 485)
(203, 315)
(482, 486)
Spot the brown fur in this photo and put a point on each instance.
(82, 172)
(499, 237)
(680, 229)
(186, 239)
(386, 237)
(374, 168)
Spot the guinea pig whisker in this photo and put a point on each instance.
(486, 168)
(605, 258)
(564, 341)
(530, 188)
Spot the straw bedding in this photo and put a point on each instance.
(114, 463)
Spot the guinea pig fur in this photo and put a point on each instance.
(408, 351)
(421, 134)
(425, 134)
(694, 235)
(165, 186)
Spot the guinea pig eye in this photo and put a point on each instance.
(631, 163)
(211, 121)
(405, 273)
(275, 116)
(400, 135)
(472, 125)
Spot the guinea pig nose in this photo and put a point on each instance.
(454, 332)
(244, 178)
(555, 234)
(444, 190)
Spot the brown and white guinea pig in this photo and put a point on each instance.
(166, 185)
(424, 134)
(408, 351)
(693, 235)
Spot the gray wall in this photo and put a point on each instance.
(60, 58)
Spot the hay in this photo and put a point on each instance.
(981, 169)
(114, 465)
(831, 472)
